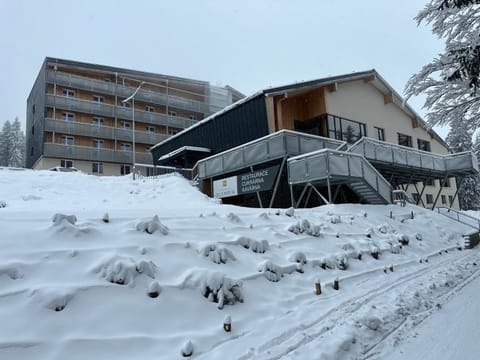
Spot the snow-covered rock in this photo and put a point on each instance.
(217, 254)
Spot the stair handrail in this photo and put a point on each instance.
(459, 213)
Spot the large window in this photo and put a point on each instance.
(346, 130)
(97, 121)
(68, 116)
(124, 169)
(98, 98)
(66, 163)
(125, 125)
(429, 198)
(149, 108)
(380, 133)
(423, 145)
(125, 147)
(97, 144)
(68, 93)
(404, 140)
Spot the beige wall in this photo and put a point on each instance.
(362, 102)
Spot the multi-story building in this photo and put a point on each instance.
(76, 116)
(345, 138)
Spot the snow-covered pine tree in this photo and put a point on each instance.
(451, 81)
(460, 139)
(12, 145)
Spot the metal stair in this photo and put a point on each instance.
(366, 193)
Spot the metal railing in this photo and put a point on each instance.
(459, 216)
(104, 132)
(102, 109)
(277, 145)
(330, 164)
(94, 154)
(146, 95)
(376, 150)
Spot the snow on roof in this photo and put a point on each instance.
(184, 148)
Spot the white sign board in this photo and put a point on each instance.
(225, 187)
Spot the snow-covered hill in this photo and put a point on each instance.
(171, 264)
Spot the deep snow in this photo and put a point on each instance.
(81, 287)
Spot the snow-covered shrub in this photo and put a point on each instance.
(290, 212)
(335, 219)
(372, 322)
(257, 246)
(419, 236)
(227, 323)
(233, 218)
(264, 216)
(154, 289)
(298, 257)
(11, 271)
(187, 349)
(342, 262)
(375, 252)
(395, 248)
(218, 288)
(325, 263)
(106, 218)
(403, 240)
(305, 227)
(369, 232)
(273, 272)
(123, 270)
(3, 204)
(152, 226)
(384, 228)
(59, 219)
(52, 299)
(217, 254)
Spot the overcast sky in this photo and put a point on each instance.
(247, 44)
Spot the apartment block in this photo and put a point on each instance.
(77, 116)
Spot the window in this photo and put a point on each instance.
(124, 169)
(68, 93)
(125, 147)
(346, 130)
(429, 198)
(172, 113)
(150, 129)
(67, 116)
(172, 131)
(66, 163)
(97, 168)
(126, 104)
(97, 144)
(67, 140)
(98, 98)
(444, 199)
(125, 125)
(97, 121)
(423, 145)
(430, 182)
(380, 134)
(31, 151)
(450, 200)
(404, 140)
(33, 109)
(149, 108)
(447, 183)
(192, 117)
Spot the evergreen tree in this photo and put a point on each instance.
(460, 139)
(451, 81)
(12, 145)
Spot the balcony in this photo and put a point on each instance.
(109, 88)
(93, 154)
(103, 132)
(101, 109)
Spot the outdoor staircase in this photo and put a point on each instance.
(366, 193)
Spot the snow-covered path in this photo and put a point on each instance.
(448, 333)
(80, 288)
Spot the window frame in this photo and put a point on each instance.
(64, 140)
(68, 116)
(97, 168)
(100, 144)
(409, 142)
(98, 99)
(64, 162)
(69, 93)
(379, 133)
(424, 145)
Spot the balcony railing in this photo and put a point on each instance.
(92, 107)
(94, 154)
(110, 88)
(103, 132)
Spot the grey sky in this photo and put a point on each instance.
(248, 44)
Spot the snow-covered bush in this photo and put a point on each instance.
(342, 262)
(290, 212)
(298, 257)
(152, 226)
(372, 322)
(106, 218)
(257, 246)
(264, 216)
(12, 271)
(403, 240)
(123, 270)
(217, 254)
(218, 288)
(335, 219)
(419, 236)
(305, 227)
(52, 299)
(3, 204)
(375, 252)
(369, 232)
(59, 219)
(233, 218)
(273, 272)
(384, 228)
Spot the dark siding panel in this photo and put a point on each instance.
(246, 122)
